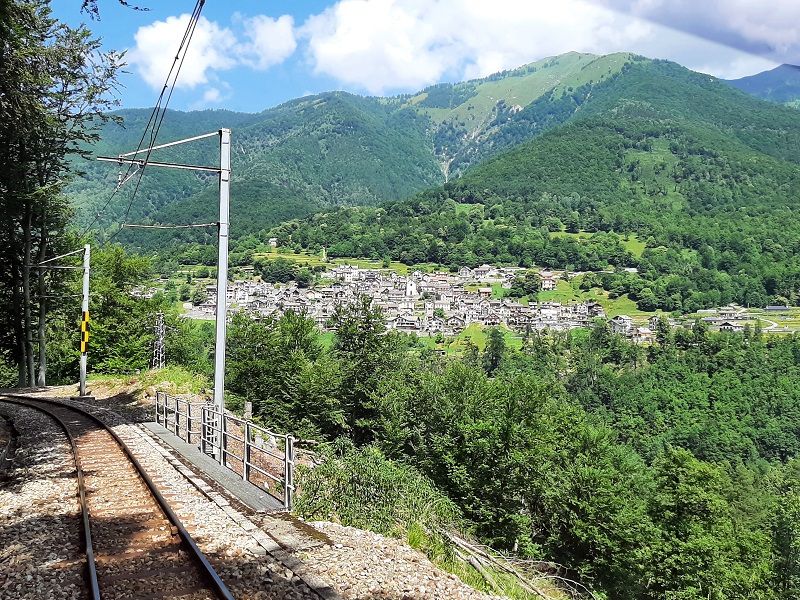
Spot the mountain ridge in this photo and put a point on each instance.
(781, 84)
(325, 150)
(328, 149)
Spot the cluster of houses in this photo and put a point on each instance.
(445, 303)
(420, 303)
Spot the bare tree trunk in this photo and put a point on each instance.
(41, 380)
(26, 295)
(16, 303)
(19, 329)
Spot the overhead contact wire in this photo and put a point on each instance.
(154, 122)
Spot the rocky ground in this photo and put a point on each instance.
(40, 546)
(370, 566)
(260, 556)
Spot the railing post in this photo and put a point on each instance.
(288, 473)
(246, 452)
(177, 417)
(223, 436)
(203, 430)
(189, 422)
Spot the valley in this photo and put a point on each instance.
(541, 327)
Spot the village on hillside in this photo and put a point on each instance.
(420, 303)
(429, 304)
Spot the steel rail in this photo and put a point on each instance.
(91, 567)
(207, 569)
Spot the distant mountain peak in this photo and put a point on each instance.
(781, 84)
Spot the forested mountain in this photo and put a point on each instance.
(703, 173)
(781, 84)
(329, 149)
(337, 148)
(707, 175)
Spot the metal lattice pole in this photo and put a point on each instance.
(158, 346)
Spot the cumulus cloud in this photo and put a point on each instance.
(399, 45)
(271, 41)
(263, 42)
(385, 46)
(737, 66)
(212, 95)
(382, 45)
(212, 48)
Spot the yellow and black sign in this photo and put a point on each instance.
(85, 332)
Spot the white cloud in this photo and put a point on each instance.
(768, 29)
(212, 48)
(212, 95)
(376, 44)
(736, 67)
(399, 45)
(384, 45)
(774, 24)
(272, 41)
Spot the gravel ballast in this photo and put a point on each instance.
(250, 550)
(366, 566)
(41, 556)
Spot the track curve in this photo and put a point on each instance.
(136, 546)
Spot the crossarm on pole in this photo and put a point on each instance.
(149, 163)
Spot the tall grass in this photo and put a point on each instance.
(173, 379)
(362, 488)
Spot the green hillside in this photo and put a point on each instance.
(337, 148)
(472, 102)
(470, 120)
(620, 144)
(306, 154)
(706, 175)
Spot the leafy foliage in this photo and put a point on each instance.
(56, 84)
(361, 488)
(682, 498)
(121, 326)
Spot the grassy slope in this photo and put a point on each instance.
(313, 260)
(474, 333)
(524, 85)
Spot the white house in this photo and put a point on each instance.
(621, 324)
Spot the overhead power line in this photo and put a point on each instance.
(132, 225)
(154, 122)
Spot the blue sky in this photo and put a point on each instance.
(249, 55)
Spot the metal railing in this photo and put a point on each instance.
(260, 456)
(178, 416)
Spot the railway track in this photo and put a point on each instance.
(136, 547)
